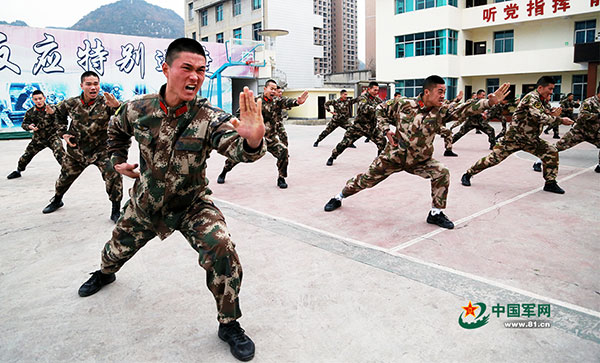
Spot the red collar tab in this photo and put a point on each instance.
(421, 104)
(180, 111)
(87, 104)
(266, 99)
(40, 109)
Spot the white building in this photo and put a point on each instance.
(480, 44)
(220, 20)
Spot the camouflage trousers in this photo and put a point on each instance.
(283, 136)
(203, 226)
(354, 132)
(274, 146)
(36, 145)
(579, 134)
(71, 168)
(507, 146)
(393, 160)
(484, 127)
(503, 132)
(332, 125)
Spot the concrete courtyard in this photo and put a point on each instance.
(369, 282)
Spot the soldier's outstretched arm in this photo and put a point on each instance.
(457, 111)
(242, 139)
(587, 112)
(61, 112)
(384, 114)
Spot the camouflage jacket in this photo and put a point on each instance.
(476, 119)
(271, 111)
(174, 146)
(589, 115)
(501, 110)
(46, 123)
(342, 109)
(530, 117)
(416, 125)
(89, 123)
(367, 105)
(568, 107)
(279, 121)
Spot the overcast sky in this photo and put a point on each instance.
(65, 13)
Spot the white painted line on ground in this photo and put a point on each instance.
(425, 263)
(480, 213)
(502, 286)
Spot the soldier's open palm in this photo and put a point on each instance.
(500, 94)
(250, 126)
(111, 100)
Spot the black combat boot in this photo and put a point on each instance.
(449, 152)
(221, 177)
(556, 136)
(241, 346)
(14, 174)
(440, 219)
(95, 283)
(466, 180)
(597, 170)
(115, 213)
(537, 166)
(333, 204)
(55, 203)
(316, 144)
(552, 187)
(281, 183)
(330, 162)
(352, 146)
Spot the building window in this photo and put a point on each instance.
(220, 38)
(492, 84)
(436, 42)
(204, 39)
(451, 86)
(405, 6)
(410, 87)
(256, 27)
(256, 4)
(557, 86)
(237, 33)
(237, 7)
(191, 11)
(585, 31)
(204, 18)
(579, 87)
(503, 41)
(219, 12)
(194, 35)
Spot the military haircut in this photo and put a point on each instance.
(37, 92)
(373, 84)
(183, 45)
(86, 74)
(397, 94)
(270, 81)
(544, 81)
(343, 91)
(432, 81)
(570, 94)
(480, 91)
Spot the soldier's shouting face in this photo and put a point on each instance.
(90, 87)
(435, 96)
(546, 92)
(184, 77)
(270, 90)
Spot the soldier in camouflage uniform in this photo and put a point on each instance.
(365, 123)
(86, 141)
(503, 112)
(568, 105)
(531, 115)
(342, 111)
(271, 111)
(587, 129)
(476, 122)
(410, 146)
(39, 119)
(279, 122)
(176, 132)
(446, 133)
